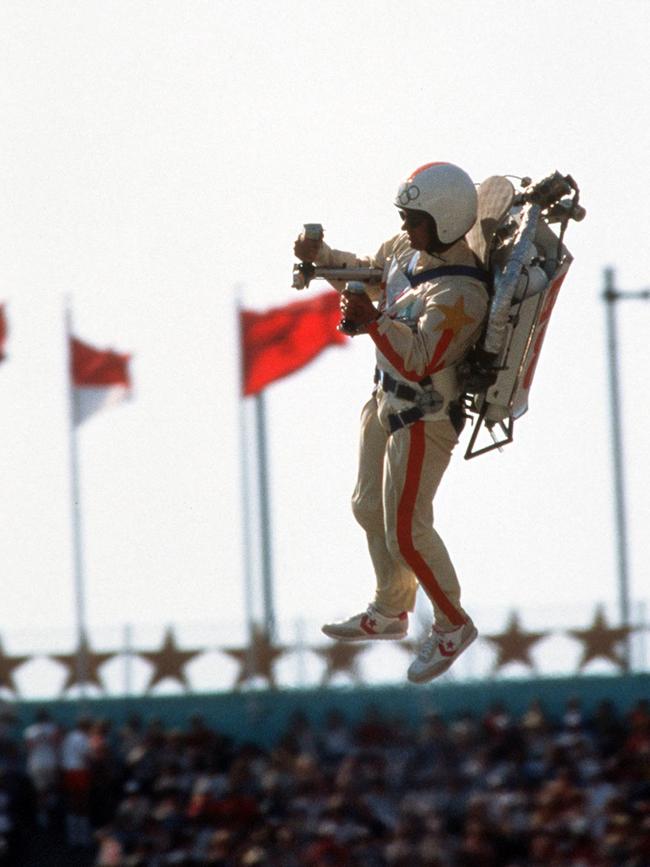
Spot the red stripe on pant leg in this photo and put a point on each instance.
(405, 511)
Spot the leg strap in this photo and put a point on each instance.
(398, 420)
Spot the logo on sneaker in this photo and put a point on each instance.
(368, 625)
(448, 648)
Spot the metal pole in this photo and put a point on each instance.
(301, 671)
(247, 535)
(610, 296)
(641, 645)
(78, 565)
(128, 659)
(265, 516)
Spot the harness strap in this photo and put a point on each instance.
(398, 420)
(399, 389)
(447, 271)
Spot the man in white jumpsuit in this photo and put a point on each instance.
(431, 308)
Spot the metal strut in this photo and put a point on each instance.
(507, 427)
(305, 272)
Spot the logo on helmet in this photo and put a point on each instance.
(408, 193)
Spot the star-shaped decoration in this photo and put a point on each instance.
(340, 657)
(8, 664)
(256, 660)
(601, 640)
(169, 661)
(83, 665)
(454, 317)
(514, 645)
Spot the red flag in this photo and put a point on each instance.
(100, 378)
(3, 332)
(280, 341)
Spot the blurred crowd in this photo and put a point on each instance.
(489, 790)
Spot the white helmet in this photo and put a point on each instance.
(445, 192)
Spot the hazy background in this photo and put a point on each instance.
(157, 161)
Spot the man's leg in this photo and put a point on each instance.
(386, 616)
(416, 459)
(396, 583)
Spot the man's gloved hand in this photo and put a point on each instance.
(306, 249)
(358, 310)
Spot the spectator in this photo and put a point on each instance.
(567, 792)
(42, 742)
(17, 805)
(75, 763)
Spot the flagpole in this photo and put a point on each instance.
(265, 515)
(247, 536)
(281, 341)
(611, 295)
(78, 566)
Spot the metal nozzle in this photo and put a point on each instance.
(313, 232)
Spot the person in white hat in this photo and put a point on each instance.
(431, 307)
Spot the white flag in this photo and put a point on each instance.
(100, 378)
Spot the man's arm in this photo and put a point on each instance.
(320, 253)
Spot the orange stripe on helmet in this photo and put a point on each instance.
(424, 167)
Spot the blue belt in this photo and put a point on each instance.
(403, 392)
(398, 420)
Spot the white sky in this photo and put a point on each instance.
(157, 155)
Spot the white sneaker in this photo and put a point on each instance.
(369, 626)
(439, 651)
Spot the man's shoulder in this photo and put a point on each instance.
(458, 254)
(451, 288)
(470, 275)
(398, 246)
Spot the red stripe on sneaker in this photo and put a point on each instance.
(444, 652)
(367, 625)
(405, 511)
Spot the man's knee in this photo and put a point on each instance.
(369, 515)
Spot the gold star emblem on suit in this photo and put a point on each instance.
(169, 661)
(83, 665)
(601, 640)
(454, 317)
(8, 664)
(514, 645)
(257, 659)
(340, 658)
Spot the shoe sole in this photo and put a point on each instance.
(364, 637)
(425, 677)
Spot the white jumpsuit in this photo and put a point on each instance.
(422, 331)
